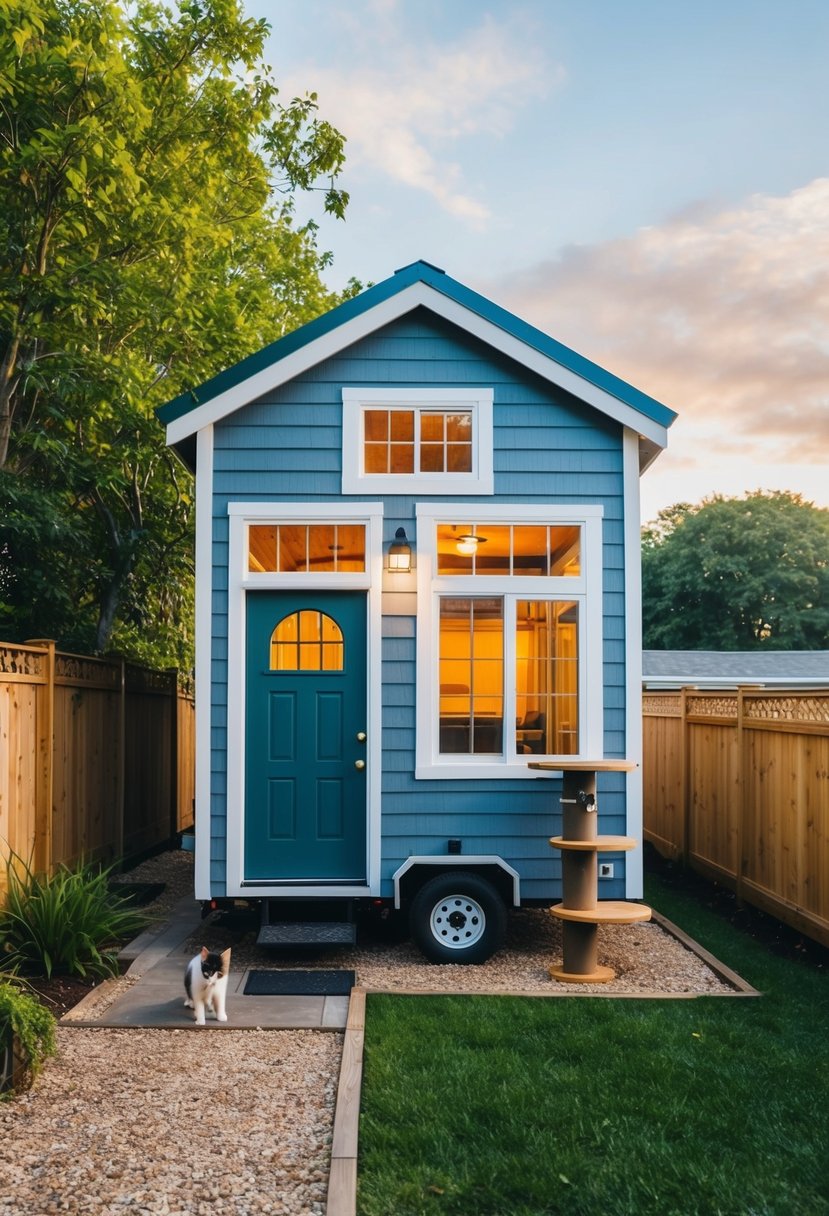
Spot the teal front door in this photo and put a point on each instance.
(305, 737)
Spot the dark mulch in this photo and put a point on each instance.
(776, 937)
(138, 894)
(60, 993)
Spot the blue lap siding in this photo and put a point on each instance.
(548, 448)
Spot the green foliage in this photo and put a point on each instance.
(574, 1106)
(66, 923)
(737, 574)
(148, 174)
(23, 1015)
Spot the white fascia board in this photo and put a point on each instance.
(329, 344)
(634, 867)
(204, 648)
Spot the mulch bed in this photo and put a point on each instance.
(60, 993)
(775, 936)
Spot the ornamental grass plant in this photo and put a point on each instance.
(67, 923)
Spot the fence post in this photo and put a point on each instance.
(742, 805)
(121, 796)
(45, 743)
(685, 781)
(174, 747)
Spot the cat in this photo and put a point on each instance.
(205, 982)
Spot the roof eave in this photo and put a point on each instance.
(341, 327)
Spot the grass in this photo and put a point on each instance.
(517, 1107)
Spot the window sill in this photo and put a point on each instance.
(513, 770)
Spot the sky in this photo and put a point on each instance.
(648, 182)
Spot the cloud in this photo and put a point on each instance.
(405, 103)
(723, 314)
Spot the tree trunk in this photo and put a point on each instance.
(7, 370)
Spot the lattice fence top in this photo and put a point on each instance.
(663, 705)
(803, 706)
(84, 669)
(712, 705)
(787, 707)
(22, 661)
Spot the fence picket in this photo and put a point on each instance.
(96, 757)
(756, 770)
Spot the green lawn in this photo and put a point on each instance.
(587, 1106)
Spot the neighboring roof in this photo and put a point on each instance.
(729, 668)
(420, 284)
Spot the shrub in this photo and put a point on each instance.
(66, 923)
(23, 1018)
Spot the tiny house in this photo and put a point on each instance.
(417, 571)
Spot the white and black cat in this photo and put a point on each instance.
(205, 982)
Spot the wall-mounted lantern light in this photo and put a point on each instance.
(400, 553)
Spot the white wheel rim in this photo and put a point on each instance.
(457, 922)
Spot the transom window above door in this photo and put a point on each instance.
(425, 440)
(299, 548)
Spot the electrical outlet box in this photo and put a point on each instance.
(605, 869)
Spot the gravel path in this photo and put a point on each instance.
(172, 1123)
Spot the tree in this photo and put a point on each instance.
(737, 574)
(148, 173)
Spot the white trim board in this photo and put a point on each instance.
(204, 654)
(239, 583)
(586, 590)
(634, 861)
(418, 295)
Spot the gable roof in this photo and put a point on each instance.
(729, 668)
(419, 284)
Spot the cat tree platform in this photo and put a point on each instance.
(581, 910)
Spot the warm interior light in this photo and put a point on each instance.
(400, 552)
(467, 543)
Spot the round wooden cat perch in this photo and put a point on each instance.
(581, 910)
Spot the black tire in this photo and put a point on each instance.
(458, 918)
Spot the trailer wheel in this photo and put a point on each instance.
(458, 918)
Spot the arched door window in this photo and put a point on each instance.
(307, 640)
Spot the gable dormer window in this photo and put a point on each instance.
(429, 441)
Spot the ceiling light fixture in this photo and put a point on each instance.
(468, 543)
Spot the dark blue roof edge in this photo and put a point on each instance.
(436, 278)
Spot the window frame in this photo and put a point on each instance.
(584, 589)
(243, 514)
(478, 401)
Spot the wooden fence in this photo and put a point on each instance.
(736, 785)
(96, 757)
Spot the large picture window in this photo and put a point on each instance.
(544, 675)
(510, 661)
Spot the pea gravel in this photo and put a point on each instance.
(170, 1122)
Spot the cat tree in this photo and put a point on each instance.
(581, 910)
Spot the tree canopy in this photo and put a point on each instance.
(737, 574)
(148, 178)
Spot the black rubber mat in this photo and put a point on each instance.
(299, 983)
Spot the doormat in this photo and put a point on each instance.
(299, 983)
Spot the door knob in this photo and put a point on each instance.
(361, 764)
(361, 736)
